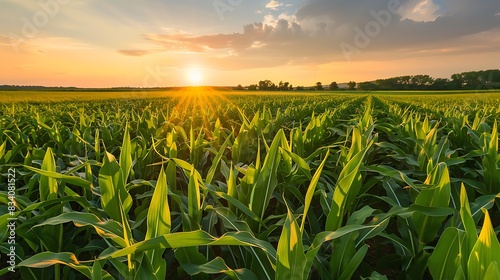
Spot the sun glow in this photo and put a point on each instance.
(194, 76)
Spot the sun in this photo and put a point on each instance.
(194, 76)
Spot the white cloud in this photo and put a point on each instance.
(271, 20)
(422, 11)
(273, 5)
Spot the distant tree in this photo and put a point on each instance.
(253, 87)
(351, 85)
(367, 86)
(267, 85)
(290, 87)
(239, 87)
(299, 88)
(283, 86)
(489, 79)
(319, 86)
(441, 84)
(334, 86)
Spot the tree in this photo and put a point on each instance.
(351, 85)
(334, 86)
(267, 85)
(252, 87)
(319, 86)
(283, 86)
(367, 86)
(441, 84)
(239, 87)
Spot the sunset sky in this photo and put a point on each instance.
(96, 43)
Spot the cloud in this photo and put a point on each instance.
(273, 5)
(134, 52)
(316, 32)
(422, 11)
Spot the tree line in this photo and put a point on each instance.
(473, 80)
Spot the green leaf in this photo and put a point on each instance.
(126, 155)
(112, 186)
(193, 239)
(48, 185)
(218, 266)
(73, 180)
(311, 189)
(493, 272)
(267, 178)
(437, 196)
(46, 259)
(354, 263)
(97, 271)
(485, 252)
(159, 223)
(291, 261)
(446, 258)
(194, 197)
(216, 160)
(469, 225)
(106, 229)
(348, 186)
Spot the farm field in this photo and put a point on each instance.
(202, 184)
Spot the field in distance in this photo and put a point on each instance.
(35, 96)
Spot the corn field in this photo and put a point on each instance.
(251, 187)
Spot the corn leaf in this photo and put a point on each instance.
(436, 196)
(486, 251)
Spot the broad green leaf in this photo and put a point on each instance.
(112, 186)
(469, 225)
(218, 266)
(348, 186)
(46, 259)
(126, 155)
(215, 162)
(311, 189)
(48, 185)
(193, 239)
(159, 223)
(194, 197)
(106, 229)
(97, 271)
(354, 263)
(267, 178)
(291, 258)
(485, 252)
(73, 180)
(436, 196)
(231, 188)
(446, 258)
(493, 272)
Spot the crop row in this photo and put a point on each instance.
(252, 187)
